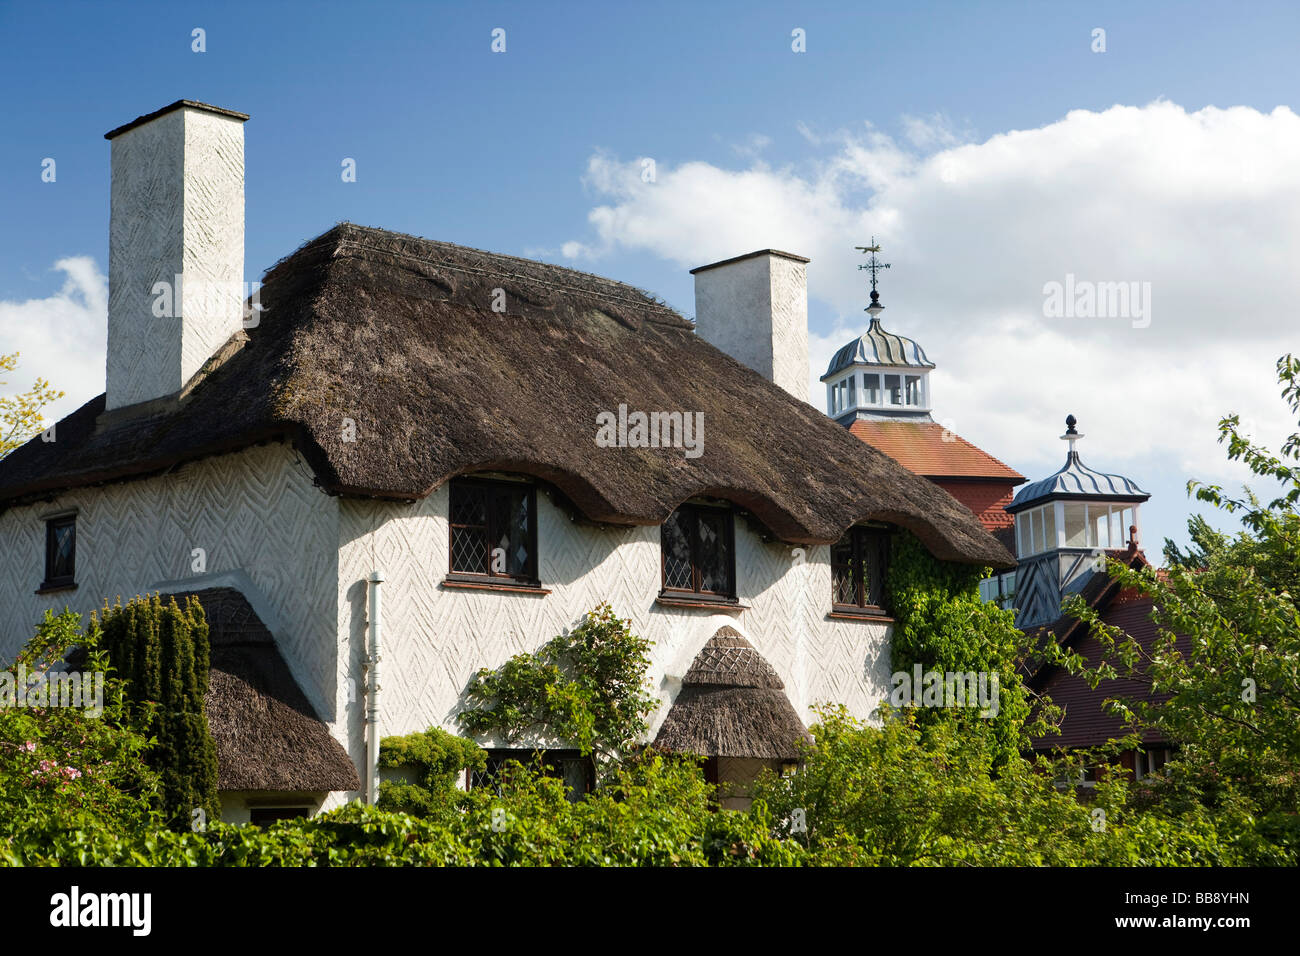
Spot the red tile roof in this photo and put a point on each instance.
(930, 450)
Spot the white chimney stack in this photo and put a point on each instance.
(755, 308)
(177, 210)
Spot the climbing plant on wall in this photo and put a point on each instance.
(435, 759)
(586, 687)
(942, 624)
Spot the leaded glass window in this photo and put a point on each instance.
(858, 563)
(699, 551)
(494, 529)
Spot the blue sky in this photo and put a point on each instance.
(974, 140)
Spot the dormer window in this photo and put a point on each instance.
(893, 369)
(699, 553)
(1059, 520)
(1036, 530)
(858, 563)
(1084, 525)
(878, 390)
(1000, 588)
(493, 531)
(1097, 524)
(843, 395)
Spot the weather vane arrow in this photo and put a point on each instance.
(873, 265)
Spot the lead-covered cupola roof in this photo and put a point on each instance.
(876, 346)
(1076, 481)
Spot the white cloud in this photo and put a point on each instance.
(61, 336)
(1203, 205)
(752, 146)
(930, 132)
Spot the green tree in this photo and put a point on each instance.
(20, 415)
(436, 759)
(942, 624)
(915, 792)
(1234, 685)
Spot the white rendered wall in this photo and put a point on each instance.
(436, 638)
(177, 208)
(255, 514)
(307, 555)
(756, 310)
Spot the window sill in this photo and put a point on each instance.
(704, 603)
(511, 587)
(842, 612)
(47, 588)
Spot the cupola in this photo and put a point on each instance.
(879, 374)
(1063, 524)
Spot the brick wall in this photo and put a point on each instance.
(986, 498)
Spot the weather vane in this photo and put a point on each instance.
(873, 265)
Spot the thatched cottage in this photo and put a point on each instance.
(442, 454)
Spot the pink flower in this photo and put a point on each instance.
(30, 747)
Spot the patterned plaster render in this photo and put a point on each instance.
(255, 512)
(306, 557)
(177, 209)
(436, 638)
(755, 309)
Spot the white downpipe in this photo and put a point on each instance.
(372, 693)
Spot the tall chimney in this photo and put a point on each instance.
(177, 210)
(755, 308)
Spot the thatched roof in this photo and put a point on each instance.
(732, 704)
(399, 335)
(268, 736)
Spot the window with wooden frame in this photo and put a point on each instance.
(699, 553)
(1147, 762)
(60, 552)
(577, 772)
(858, 564)
(493, 531)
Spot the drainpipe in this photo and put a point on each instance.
(372, 693)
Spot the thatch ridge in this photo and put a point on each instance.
(728, 660)
(398, 334)
(732, 704)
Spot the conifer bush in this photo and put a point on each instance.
(162, 653)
